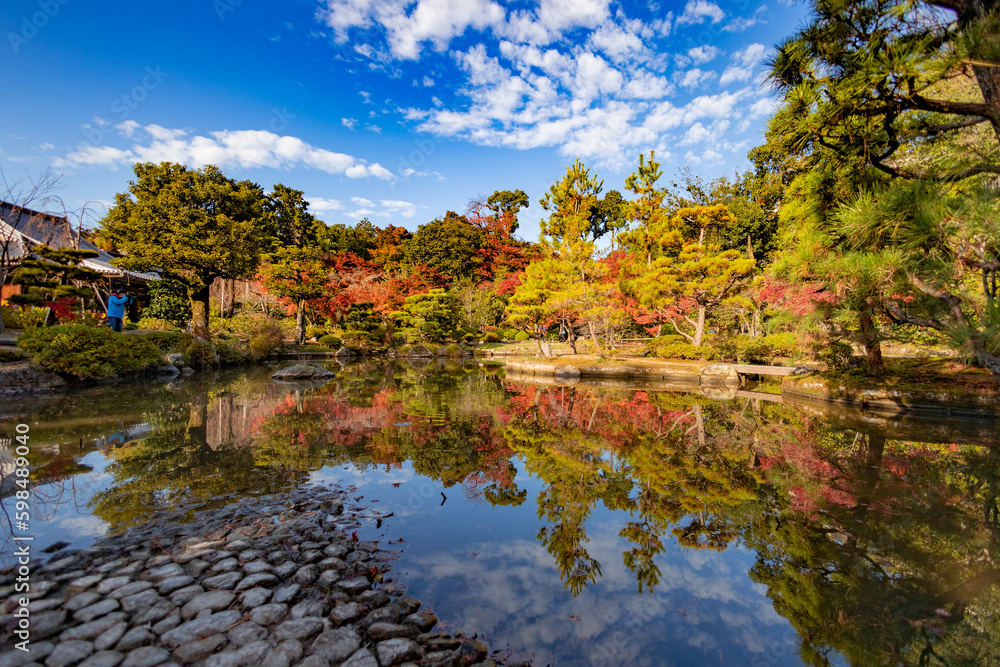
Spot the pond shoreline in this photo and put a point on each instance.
(274, 580)
(798, 385)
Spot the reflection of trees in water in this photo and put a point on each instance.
(882, 551)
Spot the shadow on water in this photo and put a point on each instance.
(579, 524)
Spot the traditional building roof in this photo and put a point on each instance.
(27, 228)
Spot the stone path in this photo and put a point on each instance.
(272, 581)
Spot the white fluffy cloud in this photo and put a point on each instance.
(697, 11)
(572, 74)
(246, 149)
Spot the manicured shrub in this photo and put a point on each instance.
(835, 354)
(510, 334)
(684, 351)
(88, 352)
(200, 354)
(156, 324)
(315, 332)
(470, 338)
(169, 341)
(521, 336)
(453, 350)
(331, 341)
(230, 352)
(22, 318)
(491, 337)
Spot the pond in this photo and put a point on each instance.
(574, 525)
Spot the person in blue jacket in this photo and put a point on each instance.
(117, 303)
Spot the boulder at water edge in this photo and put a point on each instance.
(302, 372)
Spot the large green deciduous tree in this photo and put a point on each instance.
(191, 225)
(450, 244)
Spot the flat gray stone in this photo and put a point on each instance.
(140, 601)
(94, 629)
(154, 614)
(254, 653)
(184, 595)
(354, 586)
(169, 622)
(95, 611)
(287, 594)
(171, 584)
(165, 572)
(224, 659)
(395, 651)
(200, 627)
(423, 620)
(223, 582)
(110, 637)
(198, 650)
(336, 645)
(307, 608)
(381, 631)
(46, 624)
(314, 661)
(214, 600)
(285, 570)
(257, 567)
(83, 583)
(247, 633)
(135, 638)
(109, 585)
(254, 597)
(81, 600)
(269, 614)
(16, 658)
(147, 656)
(285, 654)
(260, 579)
(307, 574)
(130, 589)
(69, 653)
(361, 658)
(345, 613)
(299, 628)
(103, 659)
(224, 565)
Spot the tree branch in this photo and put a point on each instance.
(903, 316)
(690, 339)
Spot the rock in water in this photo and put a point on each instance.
(302, 372)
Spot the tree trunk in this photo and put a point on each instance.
(199, 311)
(228, 302)
(593, 335)
(990, 362)
(699, 329)
(570, 336)
(300, 322)
(873, 348)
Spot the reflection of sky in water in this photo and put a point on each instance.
(482, 569)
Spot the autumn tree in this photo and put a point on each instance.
(189, 225)
(299, 275)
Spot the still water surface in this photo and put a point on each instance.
(576, 525)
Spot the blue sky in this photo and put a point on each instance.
(397, 110)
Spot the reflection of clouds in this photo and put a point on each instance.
(704, 608)
(82, 526)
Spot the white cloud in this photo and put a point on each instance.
(744, 62)
(245, 149)
(324, 205)
(696, 11)
(361, 201)
(694, 78)
(702, 54)
(740, 24)
(558, 15)
(404, 208)
(46, 146)
(349, 123)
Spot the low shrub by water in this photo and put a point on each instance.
(169, 341)
(88, 352)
